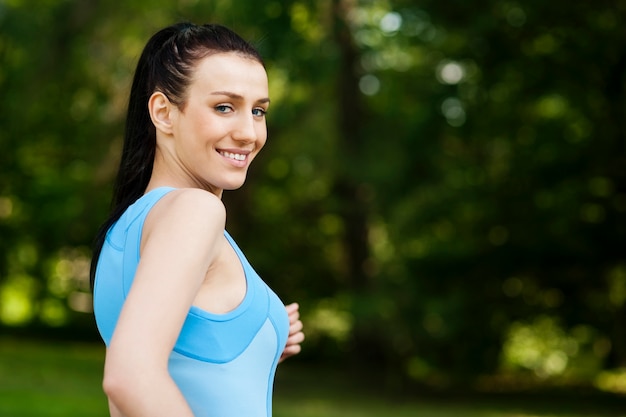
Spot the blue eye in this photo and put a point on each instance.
(223, 108)
(259, 112)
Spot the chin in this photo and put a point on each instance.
(235, 185)
(233, 188)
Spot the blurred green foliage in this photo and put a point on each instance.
(443, 189)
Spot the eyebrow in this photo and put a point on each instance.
(235, 96)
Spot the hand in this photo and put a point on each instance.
(296, 336)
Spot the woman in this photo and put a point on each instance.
(190, 328)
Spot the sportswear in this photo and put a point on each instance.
(224, 364)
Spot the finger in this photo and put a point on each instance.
(287, 355)
(291, 308)
(292, 350)
(295, 327)
(289, 351)
(293, 317)
(295, 339)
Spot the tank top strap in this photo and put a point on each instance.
(137, 214)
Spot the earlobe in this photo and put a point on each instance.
(160, 109)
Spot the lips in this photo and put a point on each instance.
(233, 155)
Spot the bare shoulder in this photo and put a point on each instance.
(188, 210)
(191, 200)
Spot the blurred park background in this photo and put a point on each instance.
(443, 189)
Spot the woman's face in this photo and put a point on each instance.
(221, 127)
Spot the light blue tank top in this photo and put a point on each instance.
(224, 364)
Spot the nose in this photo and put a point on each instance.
(246, 129)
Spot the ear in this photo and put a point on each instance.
(161, 109)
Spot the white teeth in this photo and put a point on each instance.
(235, 156)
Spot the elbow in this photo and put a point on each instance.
(125, 382)
(117, 382)
(113, 386)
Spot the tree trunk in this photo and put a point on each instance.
(353, 207)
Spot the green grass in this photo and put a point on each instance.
(319, 392)
(44, 379)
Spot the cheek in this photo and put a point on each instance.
(262, 137)
(262, 141)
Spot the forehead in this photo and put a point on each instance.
(230, 72)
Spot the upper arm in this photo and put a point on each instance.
(181, 237)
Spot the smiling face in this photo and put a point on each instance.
(210, 141)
